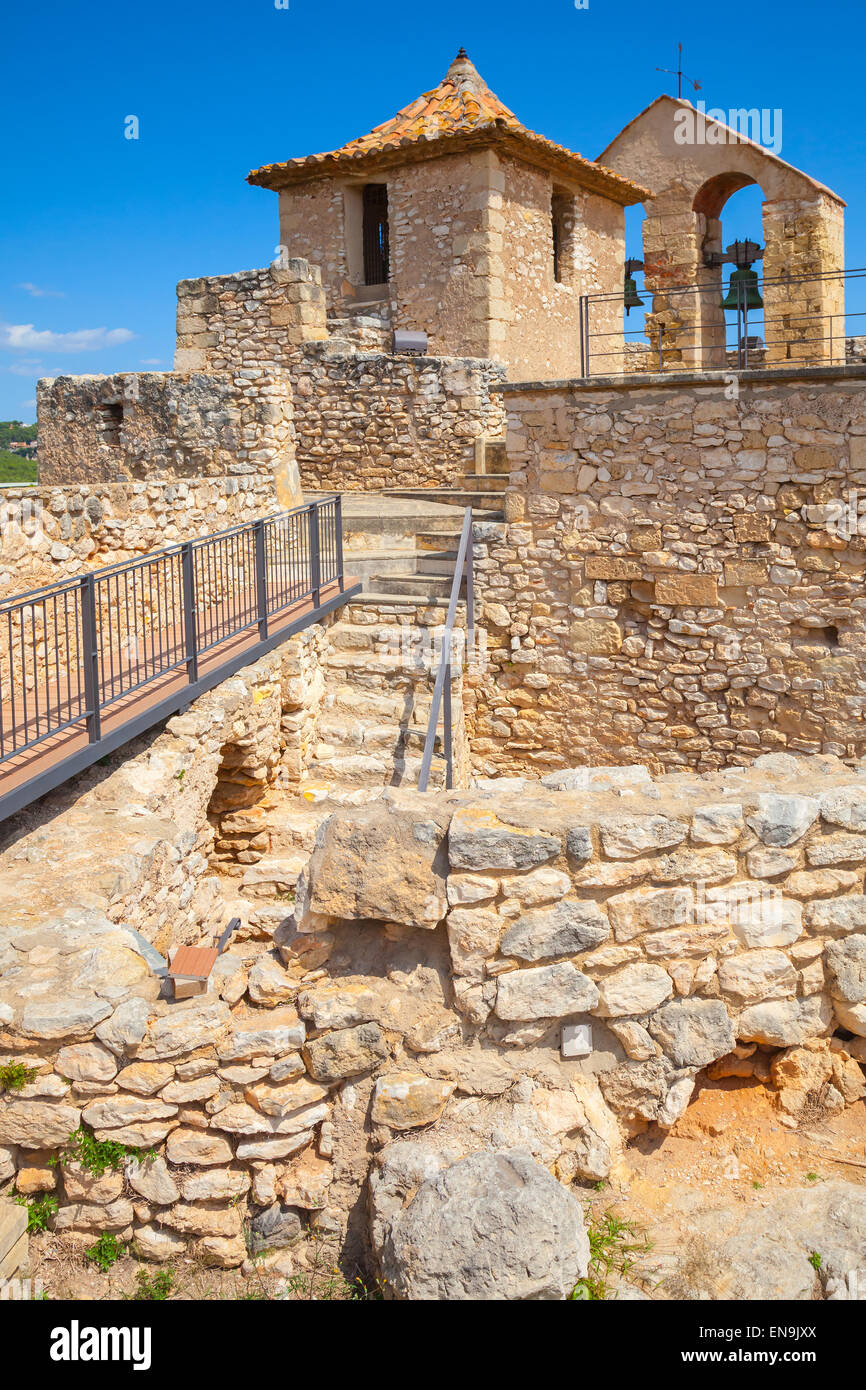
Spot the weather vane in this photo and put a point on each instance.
(679, 74)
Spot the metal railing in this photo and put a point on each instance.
(464, 567)
(689, 331)
(70, 652)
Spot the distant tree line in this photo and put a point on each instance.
(14, 467)
(13, 432)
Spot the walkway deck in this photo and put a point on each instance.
(27, 775)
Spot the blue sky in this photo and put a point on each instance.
(97, 228)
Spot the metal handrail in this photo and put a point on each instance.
(72, 649)
(604, 350)
(464, 565)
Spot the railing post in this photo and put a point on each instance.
(581, 303)
(661, 357)
(315, 558)
(187, 570)
(470, 598)
(90, 650)
(446, 718)
(338, 527)
(261, 576)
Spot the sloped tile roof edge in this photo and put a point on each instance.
(461, 113)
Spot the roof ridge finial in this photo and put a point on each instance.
(464, 69)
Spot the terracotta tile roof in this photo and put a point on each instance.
(460, 113)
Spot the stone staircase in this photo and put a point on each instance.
(369, 735)
(378, 674)
(376, 707)
(403, 543)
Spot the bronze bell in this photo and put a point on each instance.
(631, 298)
(743, 292)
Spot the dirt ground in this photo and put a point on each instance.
(730, 1147)
(308, 1271)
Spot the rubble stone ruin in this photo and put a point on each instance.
(638, 914)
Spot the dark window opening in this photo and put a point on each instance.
(376, 250)
(561, 226)
(109, 422)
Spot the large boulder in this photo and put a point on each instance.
(410, 859)
(491, 1226)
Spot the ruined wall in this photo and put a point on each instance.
(50, 533)
(253, 319)
(159, 425)
(371, 420)
(680, 579)
(540, 316)
(547, 968)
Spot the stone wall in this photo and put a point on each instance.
(542, 967)
(159, 425)
(52, 533)
(253, 319)
(680, 578)
(540, 316)
(370, 420)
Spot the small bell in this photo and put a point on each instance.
(743, 292)
(631, 298)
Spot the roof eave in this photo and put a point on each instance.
(532, 149)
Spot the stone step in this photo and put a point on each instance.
(360, 770)
(405, 670)
(427, 585)
(485, 482)
(355, 735)
(437, 540)
(369, 564)
(366, 564)
(436, 562)
(481, 502)
(404, 604)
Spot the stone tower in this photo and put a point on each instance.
(454, 218)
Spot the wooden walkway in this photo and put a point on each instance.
(26, 776)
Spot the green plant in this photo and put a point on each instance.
(757, 1185)
(40, 1210)
(96, 1156)
(179, 776)
(815, 1260)
(812, 1177)
(153, 1288)
(14, 1076)
(613, 1246)
(106, 1252)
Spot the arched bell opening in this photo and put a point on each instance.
(728, 208)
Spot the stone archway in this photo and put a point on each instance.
(693, 164)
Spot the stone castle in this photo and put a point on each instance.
(649, 877)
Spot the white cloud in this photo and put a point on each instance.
(38, 293)
(24, 337)
(24, 368)
(151, 361)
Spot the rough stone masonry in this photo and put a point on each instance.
(429, 999)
